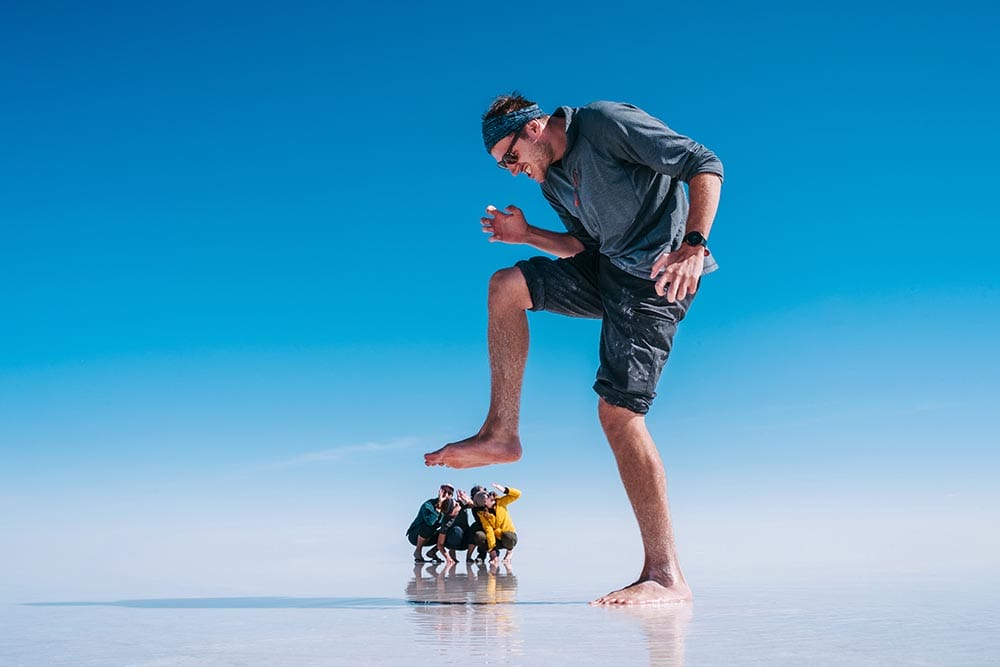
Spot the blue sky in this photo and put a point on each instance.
(243, 281)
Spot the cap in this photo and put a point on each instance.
(449, 487)
(476, 489)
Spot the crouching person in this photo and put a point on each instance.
(430, 517)
(497, 527)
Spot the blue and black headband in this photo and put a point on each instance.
(496, 128)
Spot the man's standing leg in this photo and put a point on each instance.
(498, 440)
(645, 481)
(636, 339)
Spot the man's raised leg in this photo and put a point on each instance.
(645, 481)
(507, 342)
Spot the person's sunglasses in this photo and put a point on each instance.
(509, 158)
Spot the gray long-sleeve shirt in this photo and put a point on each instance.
(618, 185)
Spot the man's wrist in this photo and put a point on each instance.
(695, 238)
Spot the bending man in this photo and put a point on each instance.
(633, 255)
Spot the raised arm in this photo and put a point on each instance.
(510, 494)
(510, 226)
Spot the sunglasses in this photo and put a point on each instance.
(509, 158)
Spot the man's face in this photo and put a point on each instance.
(523, 155)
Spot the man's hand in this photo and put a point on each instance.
(508, 226)
(681, 270)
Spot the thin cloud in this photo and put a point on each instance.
(344, 451)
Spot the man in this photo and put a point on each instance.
(429, 520)
(497, 527)
(633, 255)
(454, 532)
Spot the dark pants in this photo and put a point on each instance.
(455, 538)
(428, 533)
(508, 540)
(638, 325)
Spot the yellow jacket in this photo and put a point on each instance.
(498, 521)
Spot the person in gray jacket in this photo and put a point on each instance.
(633, 255)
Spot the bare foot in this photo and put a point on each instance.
(648, 592)
(479, 450)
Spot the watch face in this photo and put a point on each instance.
(694, 238)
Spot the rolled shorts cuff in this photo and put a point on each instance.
(536, 286)
(637, 404)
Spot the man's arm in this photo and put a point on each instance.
(510, 226)
(510, 495)
(429, 514)
(634, 136)
(682, 267)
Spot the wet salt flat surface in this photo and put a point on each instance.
(470, 613)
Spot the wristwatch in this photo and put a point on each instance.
(694, 239)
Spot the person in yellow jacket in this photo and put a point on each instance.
(497, 528)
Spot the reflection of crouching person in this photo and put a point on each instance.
(497, 527)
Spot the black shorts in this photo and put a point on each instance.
(637, 328)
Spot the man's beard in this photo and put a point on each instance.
(543, 156)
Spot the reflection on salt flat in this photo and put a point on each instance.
(474, 610)
(234, 603)
(476, 583)
(469, 612)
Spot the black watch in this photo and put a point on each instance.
(694, 239)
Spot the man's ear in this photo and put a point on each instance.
(533, 129)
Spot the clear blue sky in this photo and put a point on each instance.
(242, 280)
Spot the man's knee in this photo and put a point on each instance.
(454, 540)
(614, 417)
(509, 286)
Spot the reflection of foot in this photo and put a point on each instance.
(479, 450)
(647, 592)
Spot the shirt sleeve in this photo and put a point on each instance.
(629, 133)
(429, 514)
(511, 495)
